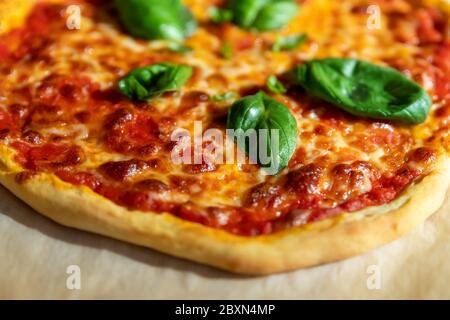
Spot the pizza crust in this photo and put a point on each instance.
(325, 241)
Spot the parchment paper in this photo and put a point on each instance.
(35, 254)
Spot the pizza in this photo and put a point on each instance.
(252, 136)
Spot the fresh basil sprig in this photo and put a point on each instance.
(365, 89)
(266, 116)
(220, 15)
(275, 85)
(151, 81)
(156, 19)
(223, 97)
(262, 15)
(289, 42)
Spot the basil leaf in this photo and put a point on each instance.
(226, 51)
(151, 81)
(289, 42)
(274, 85)
(219, 15)
(275, 15)
(263, 15)
(258, 112)
(178, 47)
(156, 19)
(364, 89)
(223, 97)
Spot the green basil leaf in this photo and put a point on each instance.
(189, 22)
(151, 81)
(219, 15)
(223, 97)
(365, 89)
(274, 85)
(226, 51)
(275, 15)
(156, 19)
(259, 112)
(263, 15)
(245, 12)
(289, 42)
(178, 47)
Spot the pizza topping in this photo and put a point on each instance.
(289, 42)
(274, 85)
(183, 184)
(263, 195)
(261, 15)
(127, 131)
(365, 89)
(24, 176)
(442, 61)
(120, 171)
(306, 180)
(430, 25)
(152, 185)
(351, 180)
(151, 81)
(5, 120)
(79, 178)
(48, 156)
(200, 168)
(32, 137)
(420, 158)
(272, 125)
(226, 51)
(62, 113)
(223, 97)
(156, 19)
(64, 91)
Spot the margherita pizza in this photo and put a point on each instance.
(254, 136)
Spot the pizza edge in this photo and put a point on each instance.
(325, 241)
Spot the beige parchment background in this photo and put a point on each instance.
(35, 253)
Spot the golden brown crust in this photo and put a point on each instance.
(325, 241)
